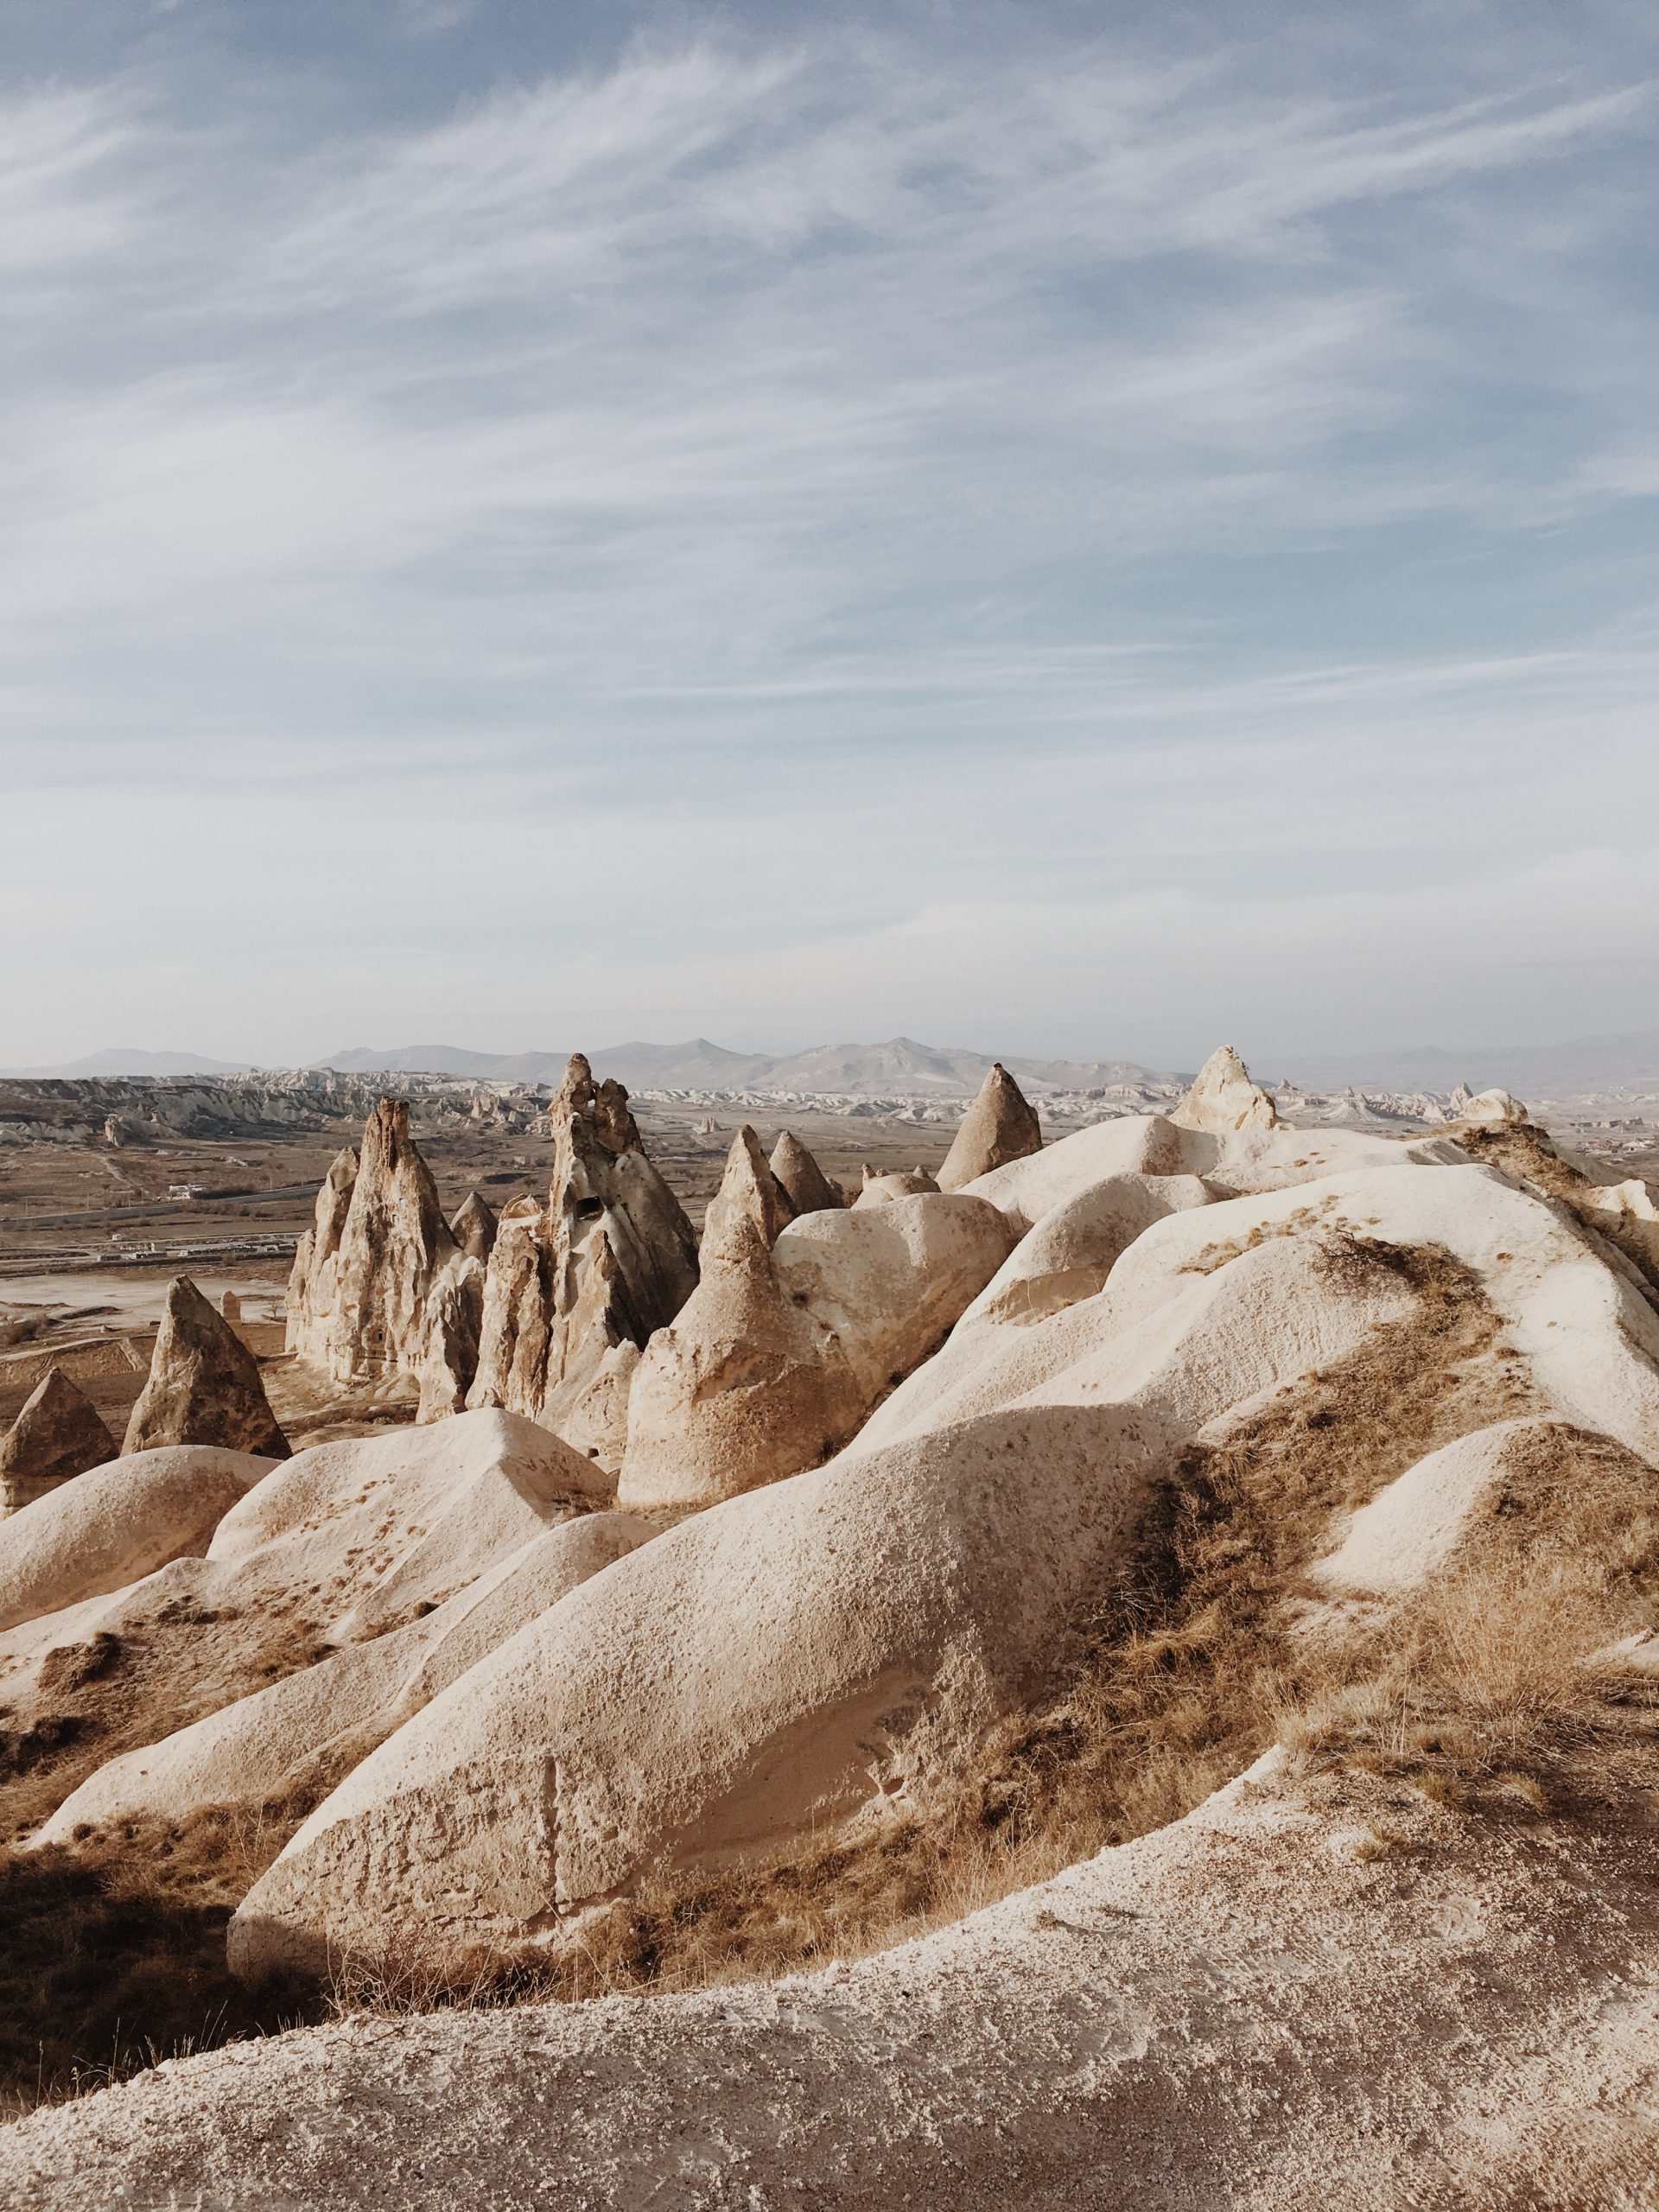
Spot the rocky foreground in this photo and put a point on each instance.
(737, 1603)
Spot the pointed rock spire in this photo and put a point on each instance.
(749, 1191)
(609, 1260)
(808, 1189)
(204, 1385)
(1223, 1098)
(472, 1226)
(58, 1433)
(999, 1126)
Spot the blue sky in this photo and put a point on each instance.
(1063, 529)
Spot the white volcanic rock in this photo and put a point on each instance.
(117, 1524)
(300, 1736)
(877, 1190)
(749, 1189)
(780, 1355)
(203, 1386)
(472, 1227)
(360, 1537)
(1587, 1337)
(1409, 1533)
(611, 1259)
(1223, 1098)
(1133, 1144)
(809, 1189)
(758, 1670)
(999, 1127)
(311, 1286)
(1625, 1213)
(1248, 1159)
(58, 1433)
(381, 1289)
(1473, 2004)
(380, 1525)
(1487, 1107)
(1074, 1248)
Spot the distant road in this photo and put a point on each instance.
(102, 1215)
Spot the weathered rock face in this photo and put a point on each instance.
(809, 1189)
(1223, 1098)
(117, 1524)
(610, 1259)
(311, 1282)
(879, 1190)
(58, 1434)
(472, 1227)
(780, 1355)
(204, 1385)
(749, 1191)
(999, 1126)
(382, 1286)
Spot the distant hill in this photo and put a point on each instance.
(1585, 1063)
(899, 1068)
(116, 1062)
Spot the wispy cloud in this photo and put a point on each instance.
(689, 434)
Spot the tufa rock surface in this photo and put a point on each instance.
(879, 1190)
(472, 1227)
(781, 1354)
(809, 1189)
(382, 1287)
(204, 1385)
(1223, 1098)
(610, 1259)
(749, 1191)
(58, 1433)
(1000, 1126)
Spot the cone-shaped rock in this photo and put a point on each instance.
(610, 1259)
(999, 1126)
(809, 1188)
(382, 1287)
(311, 1280)
(1223, 1098)
(748, 1190)
(472, 1226)
(57, 1435)
(204, 1387)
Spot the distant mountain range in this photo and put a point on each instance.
(118, 1063)
(902, 1067)
(899, 1068)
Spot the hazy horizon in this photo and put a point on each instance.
(943, 520)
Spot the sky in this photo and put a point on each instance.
(1079, 530)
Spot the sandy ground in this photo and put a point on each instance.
(1335, 1996)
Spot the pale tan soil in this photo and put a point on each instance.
(1332, 1995)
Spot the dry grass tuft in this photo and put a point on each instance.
(112, 1956)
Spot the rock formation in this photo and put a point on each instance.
(117, 1524)
(472, 1227)
(608, 1260)
(204, 1385)
(999, 1126)
(58, 1433)
(304, 1734)
(382, 1289)
(311, 1286)
(1486, 1107)
(748, 1189)
(809, 1189)
(878, 1189)
(780, 1355)
(230, 1306)
(1223, 1098)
